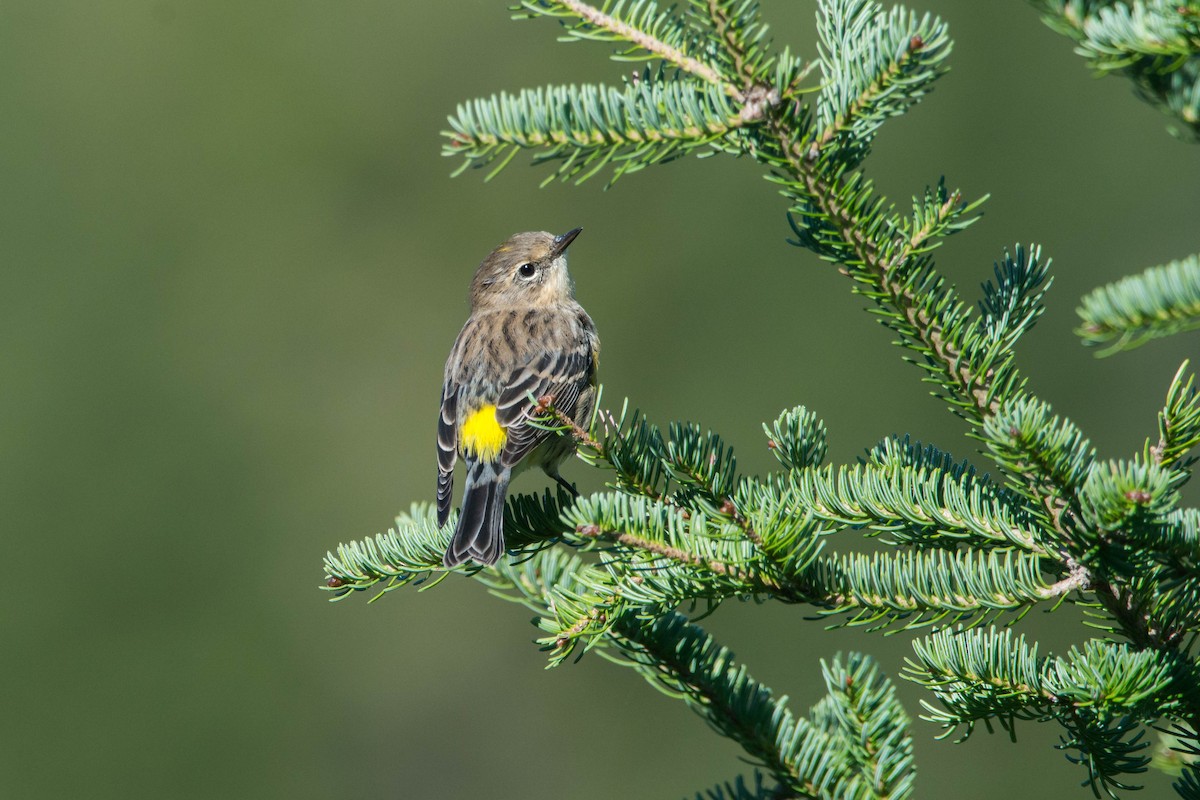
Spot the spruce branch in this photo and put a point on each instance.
(1100, 694)
(739, 30)
(657, 34)
(1154, 43)
(861, 711)
(407, 554)
(1175, 541)
(679, 527)
(679, 657)
(855, 744)
(1178, 424)
(920, 588)
(797, 438)
(1108, 748)
(916, 505)
(659, 556)
(1188, 785)
(740, 789)
(836, 213)
(410, 552)
(1162, 301)
(876, 65)
(547, 416)
(1122, 34)
(842, 221)
(588, 128)
(1046, 457)
(667, 554)
(1126, 496)
(895, 453)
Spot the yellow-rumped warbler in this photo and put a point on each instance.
(526, 336)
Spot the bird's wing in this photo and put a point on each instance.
(562, 374)
(447, 449)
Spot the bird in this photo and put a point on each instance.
(526, 336)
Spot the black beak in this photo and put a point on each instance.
(561, 243)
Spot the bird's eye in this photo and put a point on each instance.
(526, 270)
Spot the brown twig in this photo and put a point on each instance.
(545, 404)
(672, 55)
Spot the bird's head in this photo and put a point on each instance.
(528, 269)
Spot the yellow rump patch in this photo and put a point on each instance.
(482, 435)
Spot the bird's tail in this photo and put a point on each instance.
(480, 531)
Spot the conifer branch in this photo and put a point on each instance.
(597, 24)
(859, 712)
(1154, 43)
(912, 504)
(739, 789)
(1188, 785)
(797, 439)
(732, 40)
(679, 526)
(855, 743)
(1099, 694)
(876, 64)
(1178, 423)
(588, 128)
(923, 587)
(1162, 301)
(545, 405)
(406, 554)
(885, 265)
(656, 549)
(678, 656)
(1047, 456)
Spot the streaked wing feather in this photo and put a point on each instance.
(559, 374)
(447, 445)
(521, 384)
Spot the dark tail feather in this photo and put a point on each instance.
(480, 531)
(445, 487)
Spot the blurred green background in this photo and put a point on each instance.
(235, 264)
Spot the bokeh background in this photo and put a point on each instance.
(234, 264)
